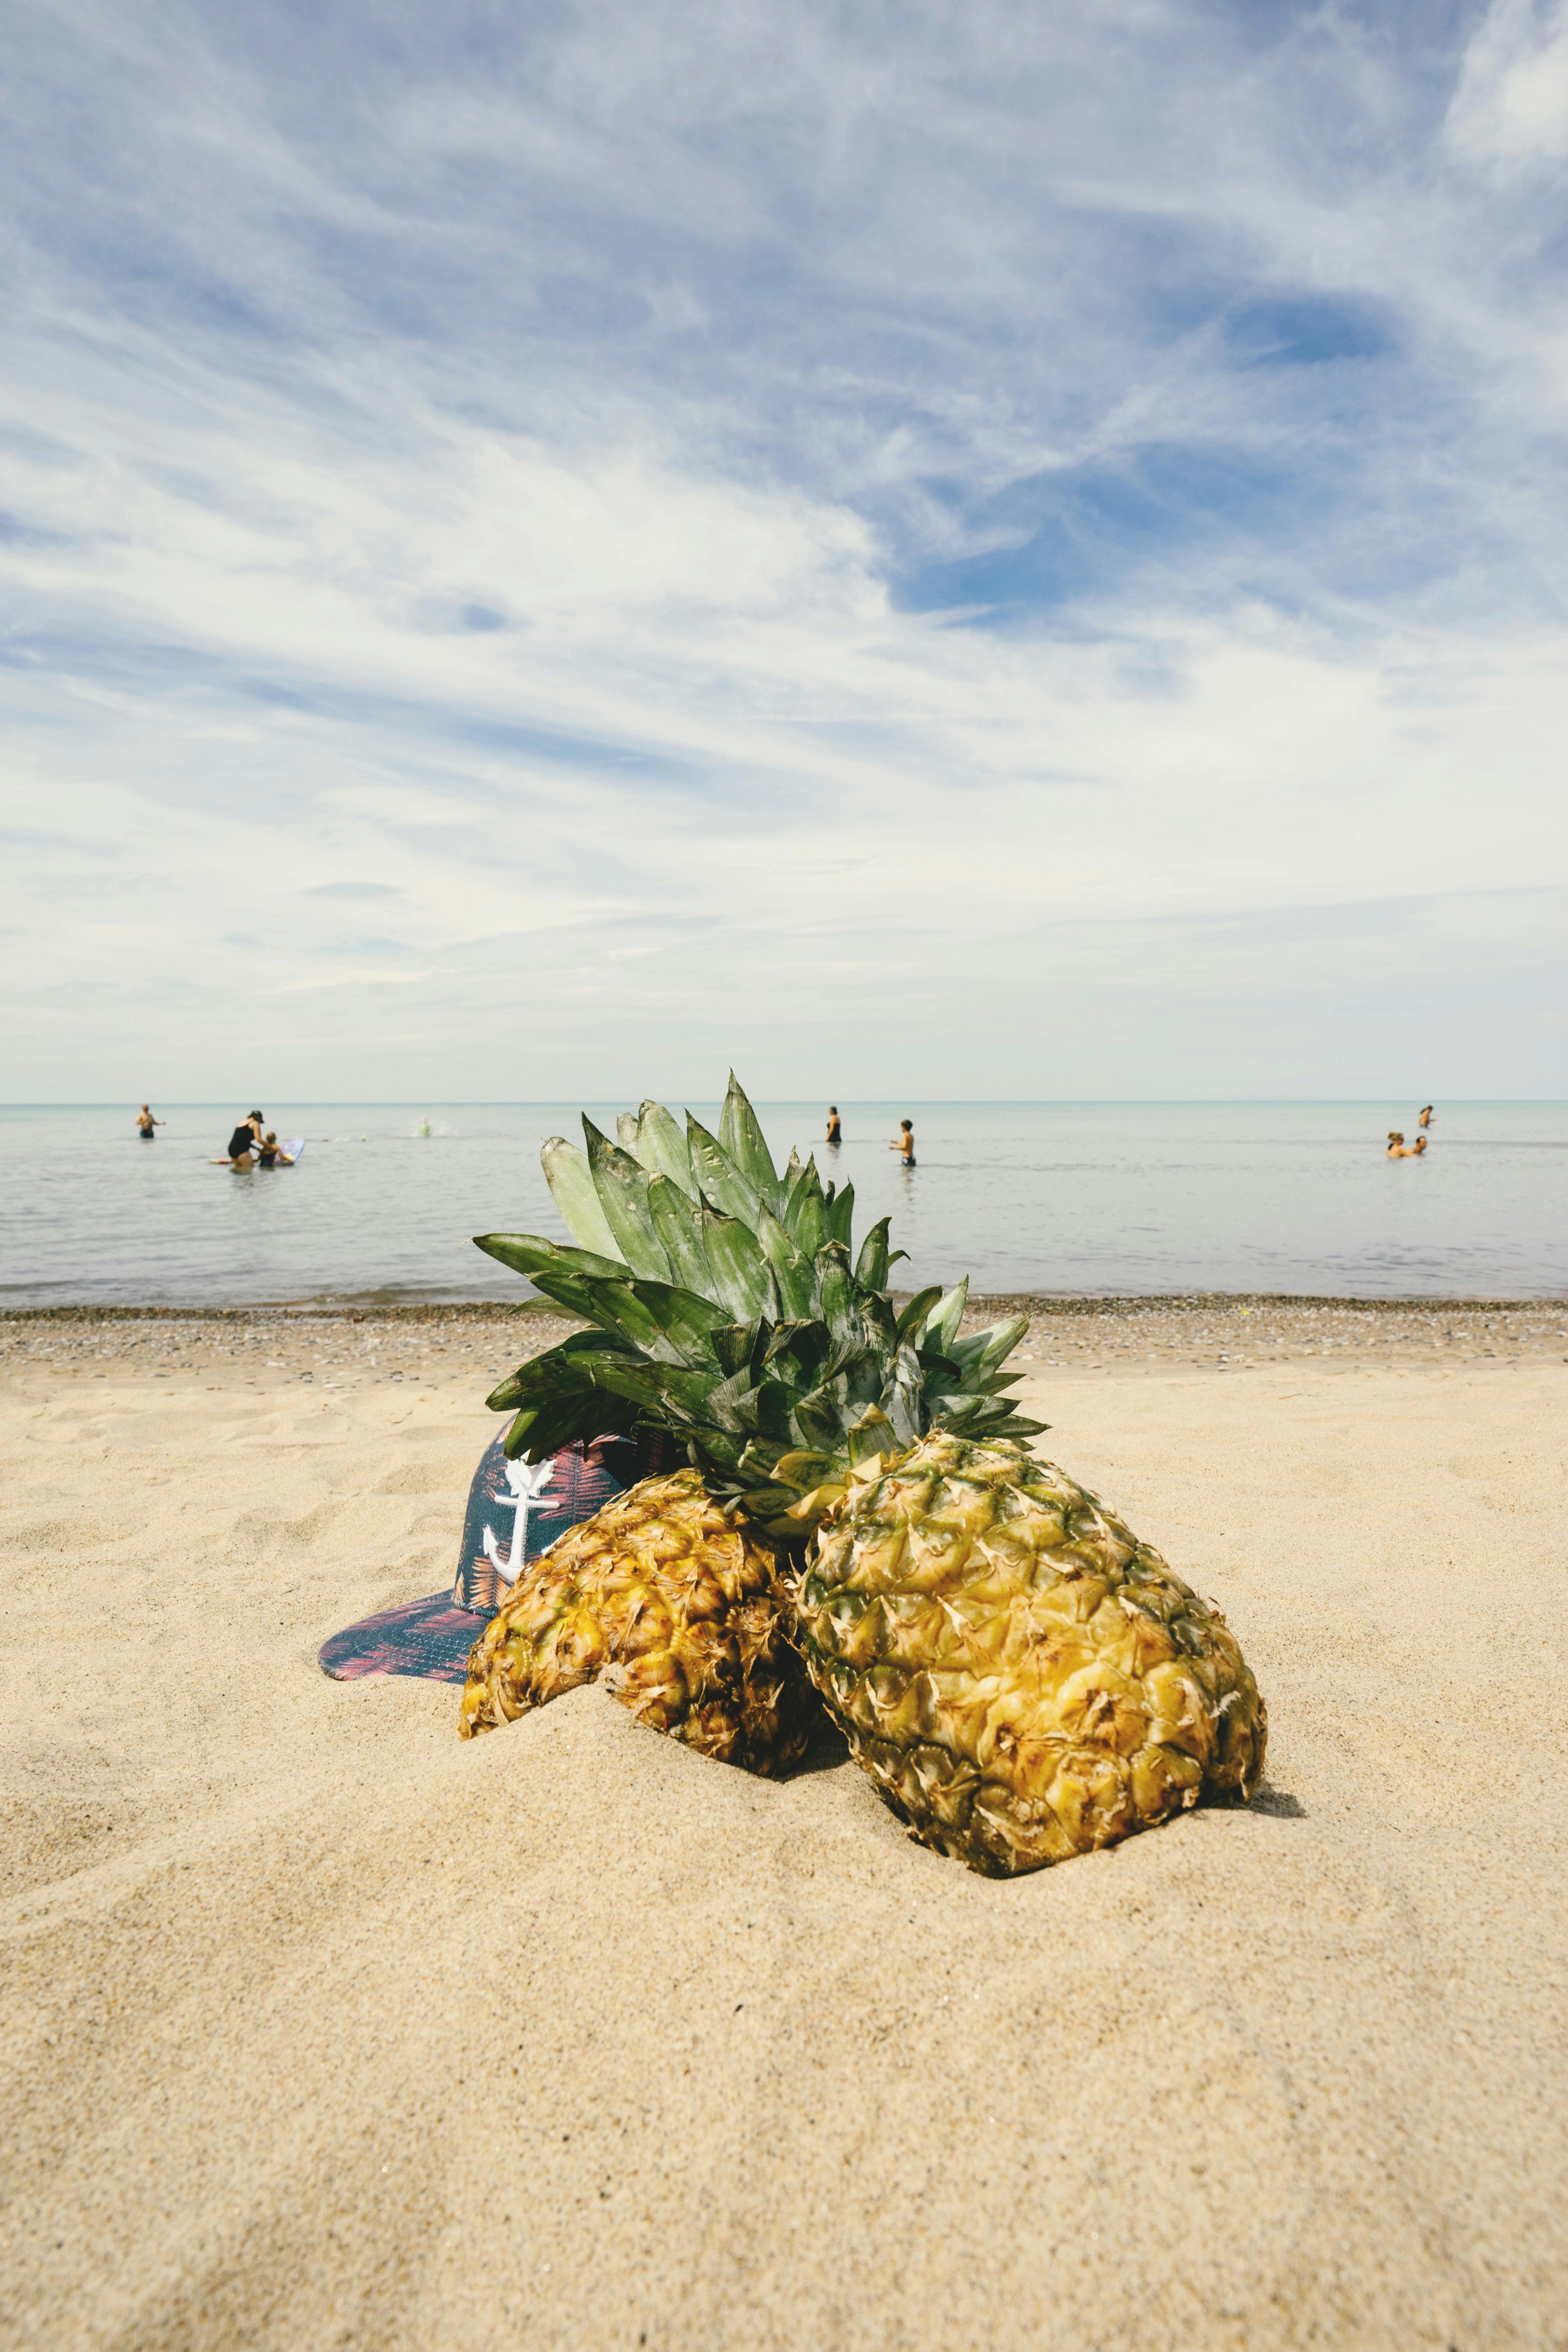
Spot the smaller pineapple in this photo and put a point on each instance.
(731, 1322)
(683, 1599)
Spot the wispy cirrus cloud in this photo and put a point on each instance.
(890, 543)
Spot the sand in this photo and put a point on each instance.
(323, 2029)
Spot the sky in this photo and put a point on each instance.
(989, 550)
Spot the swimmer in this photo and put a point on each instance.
(904, 1141)
(834, 1127)
(145, 1123)
(1399, 1150)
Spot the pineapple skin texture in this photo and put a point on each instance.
(688, 1605)
(1023, 1679)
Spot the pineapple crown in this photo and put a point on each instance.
(722, 1306)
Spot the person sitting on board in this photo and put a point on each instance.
(246, 1142)
(273, 1154)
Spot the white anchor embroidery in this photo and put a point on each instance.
(526, 1486)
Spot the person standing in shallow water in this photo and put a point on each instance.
(834, 1129)
(904, 1141)
(1428, 1115)
(145, 1123)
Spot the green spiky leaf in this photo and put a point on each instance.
(836, 1290)
(663, 1149)
(622, 1187)
(734, 1345)
(740, 1139)
(803, 1184)
(718, 1179)
(572, 1188)
(871, 1265)
(839, 1212)
(791, 1271)
(943, 1323)
(739, 1269)
(913, 1318)
(679, 1224)
(685, 1320)
(528, 1254)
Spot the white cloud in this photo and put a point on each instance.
(1510, 108)
(529, 488)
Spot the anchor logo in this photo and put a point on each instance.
(527, 1485)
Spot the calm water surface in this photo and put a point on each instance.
(1093, 1198)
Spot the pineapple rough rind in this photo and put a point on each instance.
(687, 1603)
(1023, 1679)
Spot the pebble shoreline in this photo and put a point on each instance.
(344, 1346)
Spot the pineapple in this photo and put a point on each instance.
(683, 1599)
(721, 1306)
(1021, 1677)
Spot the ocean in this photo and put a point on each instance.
(1103, 1199)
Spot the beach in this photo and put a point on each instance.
(325, 2028)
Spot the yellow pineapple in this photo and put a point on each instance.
(683, 1599)
(1023, 1679)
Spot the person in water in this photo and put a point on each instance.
(1399, 1150)
(834, 1127)
(904, 1141)
(1428, 1115)
(269, 1156)
(145, 1123)
(245, 1143)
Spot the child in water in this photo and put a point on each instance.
(904, 1141)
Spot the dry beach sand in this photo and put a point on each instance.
(323, 2029)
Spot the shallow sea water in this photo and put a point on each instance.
(1080, 1198)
